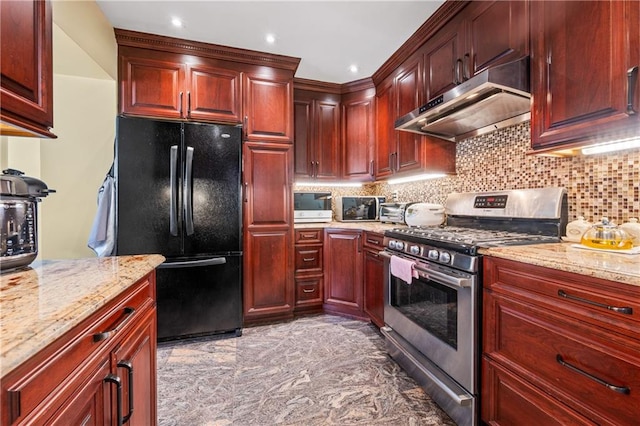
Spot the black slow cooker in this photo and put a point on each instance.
(19, 196)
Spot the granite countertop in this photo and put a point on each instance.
(624, 268)
(41, 303)
(365, 226)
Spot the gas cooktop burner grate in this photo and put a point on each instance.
(468, 236)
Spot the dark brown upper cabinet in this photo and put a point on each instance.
(334, 130)
(358, 135)
(268, 106)
(162, 77)
(160, 84)
(585, 58)
(26, 73)
(400, 153)
(317, 135)
(481, 35)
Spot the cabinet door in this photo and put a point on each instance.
(268, 108)
(385, 132)
(26, 76)
(489, 44)
(582, 51)
(358, 138)
(374, 286)
(327, 135)
(304, 165)
(343, 271)
(408, 90)
(90, 404)
(135, 364)
(152, 87)
(443, 59)
(268, 275)
(267, 185)
(214, 94)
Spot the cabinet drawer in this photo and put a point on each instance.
(309, 258)
(308, 289)
(599, 302)
(373, 240)
(304, 236)
(57, 366)
(590, 369)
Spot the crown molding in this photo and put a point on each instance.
(188, 47)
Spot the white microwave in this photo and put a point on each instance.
(358, 209)
(311, 207)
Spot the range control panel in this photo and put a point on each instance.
(490, 202)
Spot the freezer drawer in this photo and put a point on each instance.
(199, 297)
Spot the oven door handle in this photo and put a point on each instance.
(437, 276)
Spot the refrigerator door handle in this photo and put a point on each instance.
(173, 214)
(187, 195)
(192, 263)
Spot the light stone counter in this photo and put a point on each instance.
(41, 303)
(365, 226)
(622, 268)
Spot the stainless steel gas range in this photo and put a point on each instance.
(433, 283)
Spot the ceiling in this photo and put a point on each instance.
(329, 36)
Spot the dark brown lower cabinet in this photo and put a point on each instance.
(343, 284)
(374, 277)
(78, 378)
(309, 269)
(558, 347)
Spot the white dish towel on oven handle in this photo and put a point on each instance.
(403, 269)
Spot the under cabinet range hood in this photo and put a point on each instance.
(495, 98)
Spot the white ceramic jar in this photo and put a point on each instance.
(576, 229)
(633, 229)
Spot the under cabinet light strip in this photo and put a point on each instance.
(415, 178)
(331, 184)
(612, 146)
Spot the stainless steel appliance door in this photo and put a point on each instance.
(436, 314)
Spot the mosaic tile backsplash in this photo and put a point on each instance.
(599, 185)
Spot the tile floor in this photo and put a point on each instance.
(320, 370)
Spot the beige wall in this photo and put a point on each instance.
(85, 107)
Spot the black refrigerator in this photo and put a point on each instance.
(178, 194)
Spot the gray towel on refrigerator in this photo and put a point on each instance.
(102, 236)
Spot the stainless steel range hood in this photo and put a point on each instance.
(497, 97)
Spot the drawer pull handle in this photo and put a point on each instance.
(306, 290)
(621, 310)
(620, 389)
(308, 259)
(99, 337)
(376, 242)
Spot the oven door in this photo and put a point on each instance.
(432, 328)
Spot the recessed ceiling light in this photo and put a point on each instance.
(270, 38)
(177, 22)
(353, 68)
